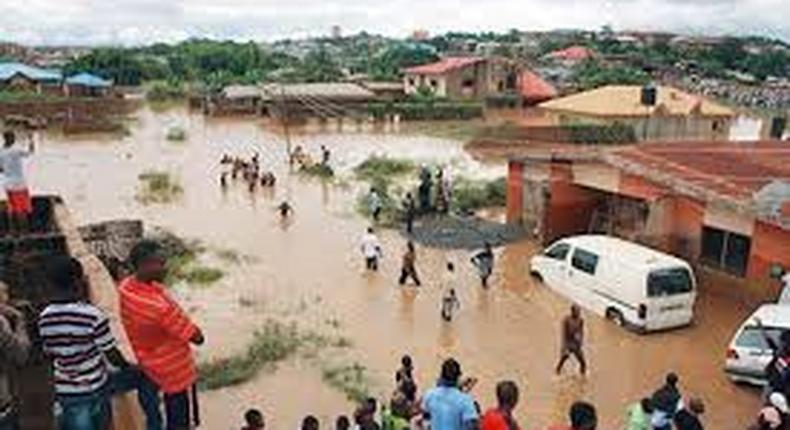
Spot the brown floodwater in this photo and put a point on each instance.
(310, 271)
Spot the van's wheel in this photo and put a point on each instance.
(615, 316)
(536, 276)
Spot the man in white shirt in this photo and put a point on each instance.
(371, 249)
(784, 298)
(19, 203)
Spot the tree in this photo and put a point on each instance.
(388, 64)
(319, 66)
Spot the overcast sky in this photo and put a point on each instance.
(131, 22)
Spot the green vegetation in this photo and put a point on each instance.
(272, 344)
(317, 170)
(610, 134)
(420, 110)
(176, 134)
(375, 167)
(593, 74)
(351, 379)
(158, 187)
(164, 91)
(199, 275)
(469, 195)
(182, 261)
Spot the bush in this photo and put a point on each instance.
(165, 90)
(158, 187)
(318, 170)
(350, 379)
(472, 195)
(383, 167)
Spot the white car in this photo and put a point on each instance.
(630, 284)
(749, 353)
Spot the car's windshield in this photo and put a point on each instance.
(669, 282)
(750, 337)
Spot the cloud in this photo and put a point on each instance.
(130, 22)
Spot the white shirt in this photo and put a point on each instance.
(784, 298)
(370, 245)
(11, 164)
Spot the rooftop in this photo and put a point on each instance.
(574, 53)
(88, 80)
(534, 88)
(625, 101)
(720, 172)
(445, 65)
(9, 70)
(332, 90)
(241, 91)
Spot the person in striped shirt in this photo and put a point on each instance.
(76, 336)
(160, 333)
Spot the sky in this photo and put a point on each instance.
(136, 22)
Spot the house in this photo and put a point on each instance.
(86, 85)
(322, 99)
(534, 89)
(242, 99)
(389, 91)
(571, 55)
(451, 77)
(21, 77)
(720, 205)
(655, 113)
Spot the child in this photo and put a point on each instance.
(253, 419)
(450, 304)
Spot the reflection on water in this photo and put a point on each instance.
(310, 270)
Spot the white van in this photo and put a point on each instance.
(632, 285)
(749, 353)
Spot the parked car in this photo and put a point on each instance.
(630, 284)
(749, 354)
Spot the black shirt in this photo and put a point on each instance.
(685, 420)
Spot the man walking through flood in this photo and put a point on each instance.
(160, 334)
(408, 270)
(573, 340)
(484, 261)
(19, 203)
(371, 250)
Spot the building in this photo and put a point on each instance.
(721, 205)
(655, 113)
(87, 85)
(571, 55)
(463, 78)
(534, 89)
(21, 77)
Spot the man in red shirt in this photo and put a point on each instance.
(160, 333)
(501, 417)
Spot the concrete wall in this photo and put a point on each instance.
(659, 127)
(569, 207)
(770, 245)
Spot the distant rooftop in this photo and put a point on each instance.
(573, 53)
(444, 65)
(331, 90)
(625, 101)
(88, 80)
(534, 88)
(9, 70)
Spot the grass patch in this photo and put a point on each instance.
(317, 170)
(176, 134)
(182, 261)
(375, 167)
(471, 195)
(272, 344)
(228, 255)
(158, 187)
(202, 275)
(351, 379)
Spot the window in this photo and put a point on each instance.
(434, 83)
(668, 282)
(468, 83)
(585, 261)
(558, 251)
(411, 82)
(751, 337)
(725, 250)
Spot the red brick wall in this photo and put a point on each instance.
(770, 245)
(515, 192)
(638, 187)
(570, 206)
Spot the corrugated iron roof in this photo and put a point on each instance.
(574, 53)
(444, 65)
(9, 70)
(242, 91)
(331, 90)
(534, 88)
(88, 80)
(626, 101)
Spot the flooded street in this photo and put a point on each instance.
(311, 271)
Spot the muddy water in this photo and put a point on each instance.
(310, 271)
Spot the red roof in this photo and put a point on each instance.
(729, 170)
(444, 65)
(534, 89)
(575, 53)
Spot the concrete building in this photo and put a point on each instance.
(723, 206)
(666, 114)
(463, 78)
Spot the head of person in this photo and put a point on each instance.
(148, 261)
(408, 195)
(310, 423)
(254, 419)
(576, 311)
(342, 423)
(769, 418)
(696, 406)
(672, 379)
(406, 360)
(8, 138)
(451, 372)
(67, 277)
(487, 246)
(450, 266)
(507, 395)
(647, 405)
(583, 416)
(410, 246)
(370, 230)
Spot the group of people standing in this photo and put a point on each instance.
(88, 369)
(249, 170)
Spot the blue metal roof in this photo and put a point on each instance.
(88, 80)
(8, 70)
